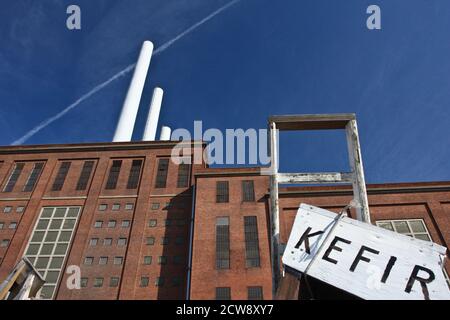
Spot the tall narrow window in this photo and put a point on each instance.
(15, 174)
(113, 174)
(61, 176)
(183, 175)
(255, 293)
(222, 191)
(85, 175)
(135, 172)
(248, 191)
(34, 175)
(251, 242)
(161, 176)
(223, 293)
(223, 243)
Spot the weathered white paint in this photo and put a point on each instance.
(326, 177)
(364, 281)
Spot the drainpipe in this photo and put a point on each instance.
(191, 242)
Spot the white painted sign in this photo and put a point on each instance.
(367, 261)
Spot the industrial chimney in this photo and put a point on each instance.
(124, 130)
(153, 115)
(165, 134)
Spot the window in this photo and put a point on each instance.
(107, 241)
(98, 282)
(103, 260)
(15, 174)
(177, 260)
(33, 177)
(135, 172)
(183, 175)
(147, 260)
(125, 223)
(114, 282)
(248, 191)
(162, 260)
(85, 175)
(159, 281)
(111, 223)
(155, 206)
(7, 209)
(121, 241)
(150, 241)
(144, 281)
(49, 244)
(152, 223)
(12, 225)
(414, 228)
(251, 241)
(98, 224)
(4, 243)
(222, 191)
(223, 243)
(118, 260)
(223, 293)
(179, 240)
(164, 241)
(1, 225)
(115, 207)
(20, 209)
(84, 282)
(129, 206)
(255, 293)
(176, 281)
(102, 207)
(113, 175)
(61, 176)
(88, 261)
(167, 222)
(161, 175)
(93, 242)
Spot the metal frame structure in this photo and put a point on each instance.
(346, 122)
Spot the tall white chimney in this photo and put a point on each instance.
(124, 130)
(153, 115)
(165, 134)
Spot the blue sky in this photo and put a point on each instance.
(255, 59)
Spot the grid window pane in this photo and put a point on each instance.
(107, 241)
(255, 293)
(248, 191)
(129, 206)
(15, 174)
(147, 260)
(223, 293)
(102, 207)
(152, 223)
(144, 281)
(135, 172)
(85, 175)
(415, 228)
(33, 177)
(222, 243)
(115, 207)
(114, 173)
(402, 227)
(98, 282)
(162, 260)
(150, 241)
(183, 175)
(61, 176)
(155, 206)
(222, 194)
(114, 282)
(161, 175)
(251, 242)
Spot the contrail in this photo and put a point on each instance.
(121, 73)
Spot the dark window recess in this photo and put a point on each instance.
(61, 176)
(183, 175)
(222, 191)
(113, 174)
(135, 172)
(248, 191)
(161, 176)
(255, 293)
(222, 243)
(85, 175)
(251, 242)
(15, 174)
(34, 175)
(223, 293)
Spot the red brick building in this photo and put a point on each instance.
(141, 227)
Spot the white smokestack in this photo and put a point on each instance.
(165, 134)
(124, 130)
(153, 115)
